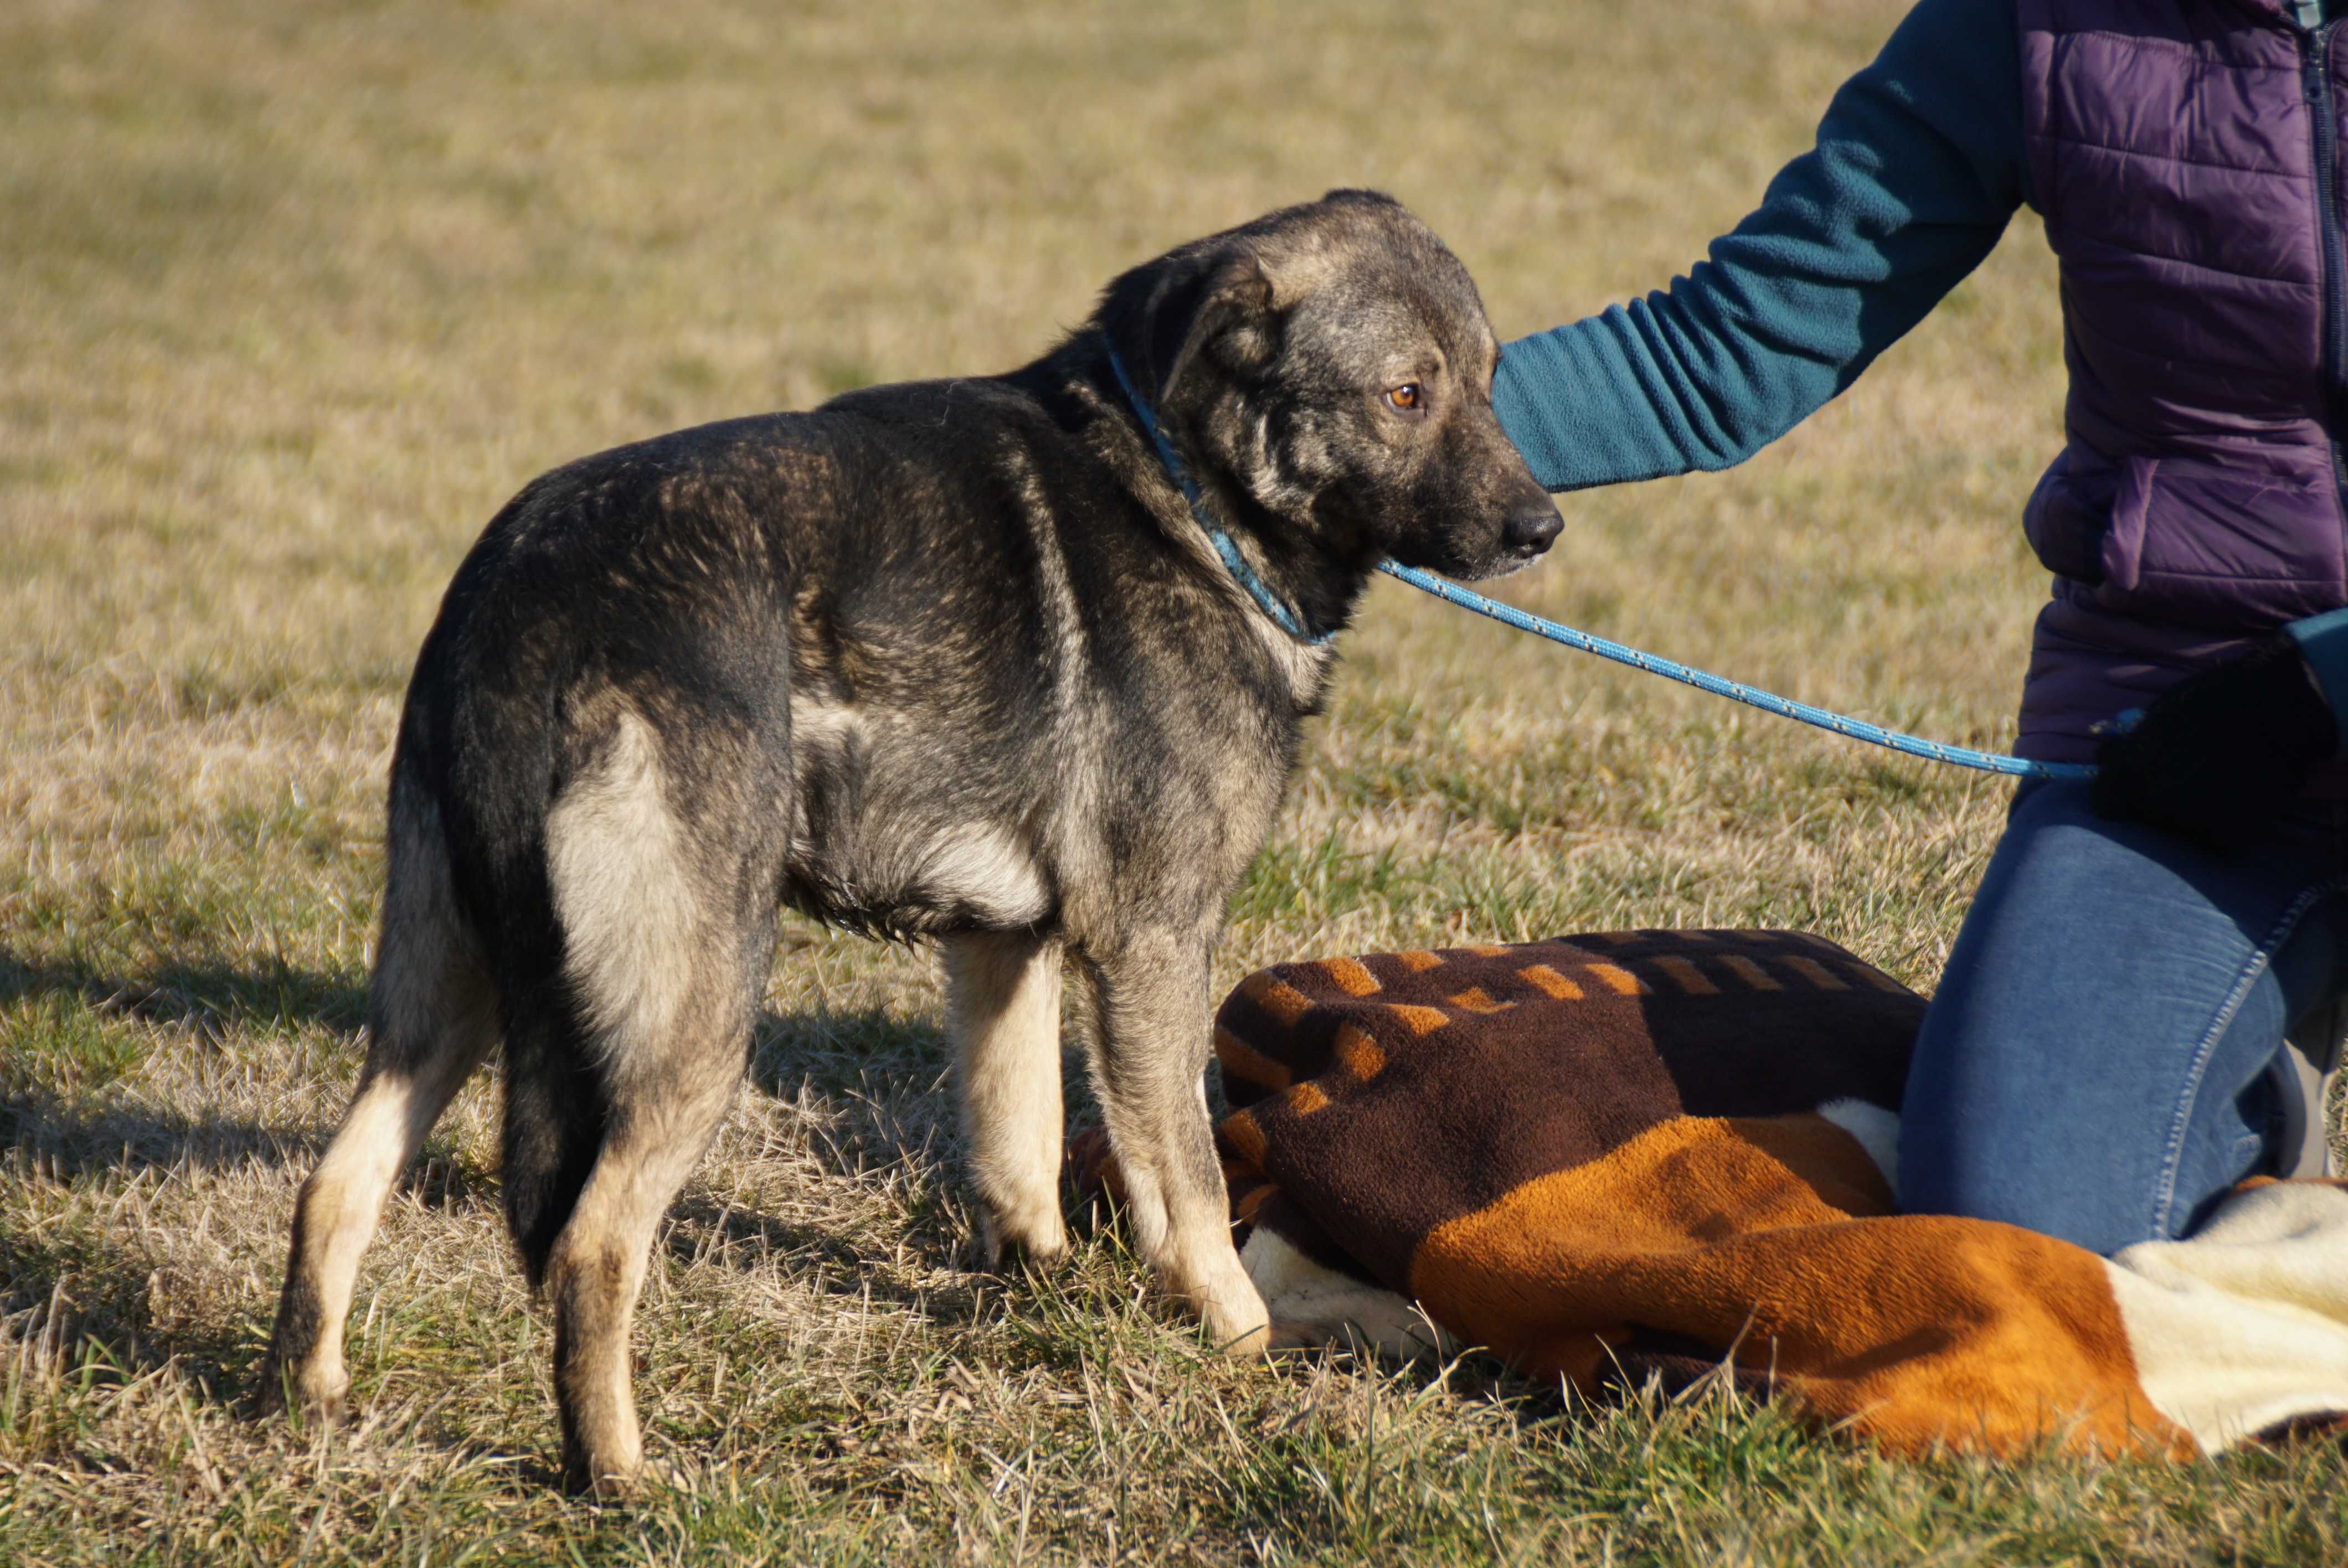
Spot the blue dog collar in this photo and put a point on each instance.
(1282, 615)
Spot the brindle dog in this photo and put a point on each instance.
(952, 659)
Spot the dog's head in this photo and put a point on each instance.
(1332, 363)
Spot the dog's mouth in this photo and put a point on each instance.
(1523, 542)
(1505, 564)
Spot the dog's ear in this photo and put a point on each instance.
(1234, 324)
(1215, 301)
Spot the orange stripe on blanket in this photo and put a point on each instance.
(1417, 960)
(1476, 999)
(1549, 981)
(1244, 1061)
(1816, 973)
(1489, 951)
(1305, 1098)
(1620, 980)
(1751, 973)
(1417, 1020)
(1350, 977)
(1774, 1235)
(1361, 1054)
(1687, 976)
(1240, 1132)
(1245, 1209)
(1879, 979)
(1275, 996)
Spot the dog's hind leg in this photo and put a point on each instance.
(432, 1017)
(1150, 1043)
(1004, 992)
(660, 1125)
(665, 937)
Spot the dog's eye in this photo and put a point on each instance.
(1407, 398)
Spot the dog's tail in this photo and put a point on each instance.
(556, 1103)
(469, 828)
(555, 1116)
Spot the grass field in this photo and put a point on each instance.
(292, 295)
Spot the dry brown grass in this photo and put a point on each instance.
(295, 295)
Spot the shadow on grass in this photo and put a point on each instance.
(876, 1088)
(730, 1236)
(872, 1087)
(55, 1112)
(63, 1143)
(207, 1000)
(92, 1305)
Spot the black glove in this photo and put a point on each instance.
(2216, 755)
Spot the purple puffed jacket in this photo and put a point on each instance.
(2185, 155)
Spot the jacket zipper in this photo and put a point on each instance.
(2315, 75)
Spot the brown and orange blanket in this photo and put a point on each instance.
(1658, 1155)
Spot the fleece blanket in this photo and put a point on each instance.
(1672, 1155)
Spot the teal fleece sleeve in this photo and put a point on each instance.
(1918, 166)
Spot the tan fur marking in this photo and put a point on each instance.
(989, 870)
(433, 1021)
(597, 1270)
(632, 931)
(1005, 991)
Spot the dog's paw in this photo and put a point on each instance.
(1236, 1323)
(609, 1481)
(1037, 1240)
(314, 1399)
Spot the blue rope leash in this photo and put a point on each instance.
(1736, 691)
(1289, 622)
(1282, 616)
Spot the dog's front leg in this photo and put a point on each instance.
(1150, 1048)
(1003, 991)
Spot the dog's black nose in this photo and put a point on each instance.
(1532, 530)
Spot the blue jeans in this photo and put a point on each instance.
(2092, 1066)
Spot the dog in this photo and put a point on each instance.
(1018, 664)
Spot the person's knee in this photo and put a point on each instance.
(2066, 1212)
